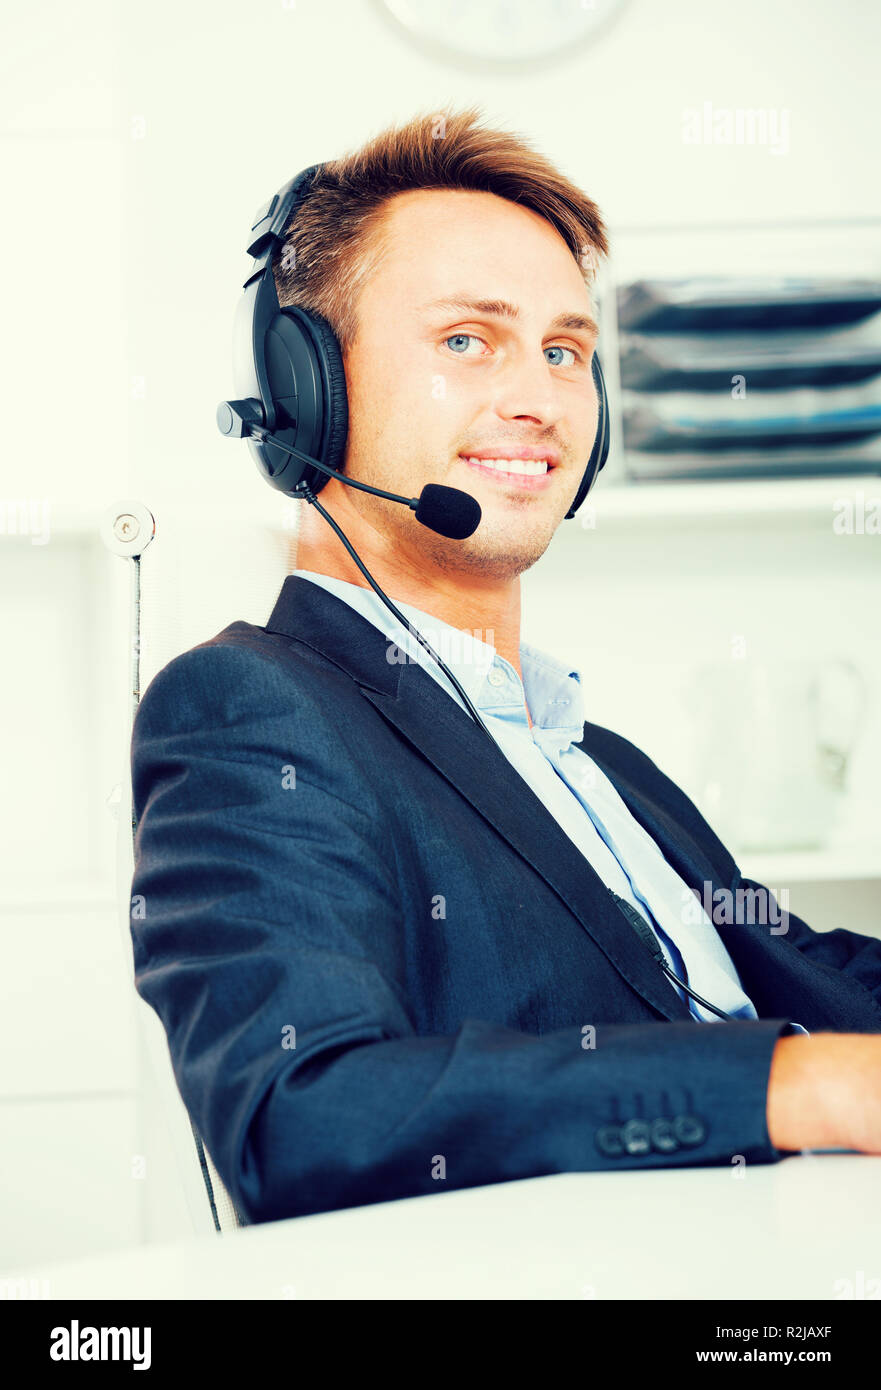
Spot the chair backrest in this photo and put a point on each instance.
(224, 1210)
(163, 1119)
(205, 571)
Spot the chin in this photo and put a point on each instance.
(499, 558)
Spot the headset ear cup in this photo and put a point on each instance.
(336, 415)
(600, 451)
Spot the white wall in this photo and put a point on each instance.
(137, 142)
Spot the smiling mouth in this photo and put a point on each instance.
(531, 474)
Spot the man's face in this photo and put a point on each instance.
(433, 383)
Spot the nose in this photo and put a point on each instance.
(526, 390)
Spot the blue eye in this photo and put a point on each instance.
(571, 352)
(461, 338)
(458, 343)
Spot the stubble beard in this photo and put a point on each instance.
(485, 553)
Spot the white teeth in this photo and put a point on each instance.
(528, 466)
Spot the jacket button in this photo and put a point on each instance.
(608, 1141)
(637, 1137)
(663, 1137)
(689, 1130)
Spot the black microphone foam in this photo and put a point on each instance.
(448, 511)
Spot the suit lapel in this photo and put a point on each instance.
(441, 731)
(682, 852)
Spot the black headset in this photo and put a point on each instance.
(288, 369)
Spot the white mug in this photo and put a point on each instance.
(772, 742)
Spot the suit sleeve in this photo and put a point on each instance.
(846, 952)
(267, 936)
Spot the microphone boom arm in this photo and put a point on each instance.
(267, 437)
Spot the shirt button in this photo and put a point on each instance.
(609, 1142)
(496, 677)
(664, 1140)
(689, 1130)
(636, 1136)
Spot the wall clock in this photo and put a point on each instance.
(503, 31)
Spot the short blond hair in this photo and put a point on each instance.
(335, 243)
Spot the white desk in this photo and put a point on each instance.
(807, 1227)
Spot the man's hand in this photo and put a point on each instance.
(824, 1092)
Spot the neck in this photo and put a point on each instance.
(475, 603)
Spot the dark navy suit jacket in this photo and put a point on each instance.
(378, 958)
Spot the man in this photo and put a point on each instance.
(384, 948)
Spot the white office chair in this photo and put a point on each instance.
(205, 571)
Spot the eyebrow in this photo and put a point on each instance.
(501, 308)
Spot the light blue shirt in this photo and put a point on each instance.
(569, 783)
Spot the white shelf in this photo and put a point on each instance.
(831, 865)
(809, 499)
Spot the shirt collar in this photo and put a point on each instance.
(552, 690)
